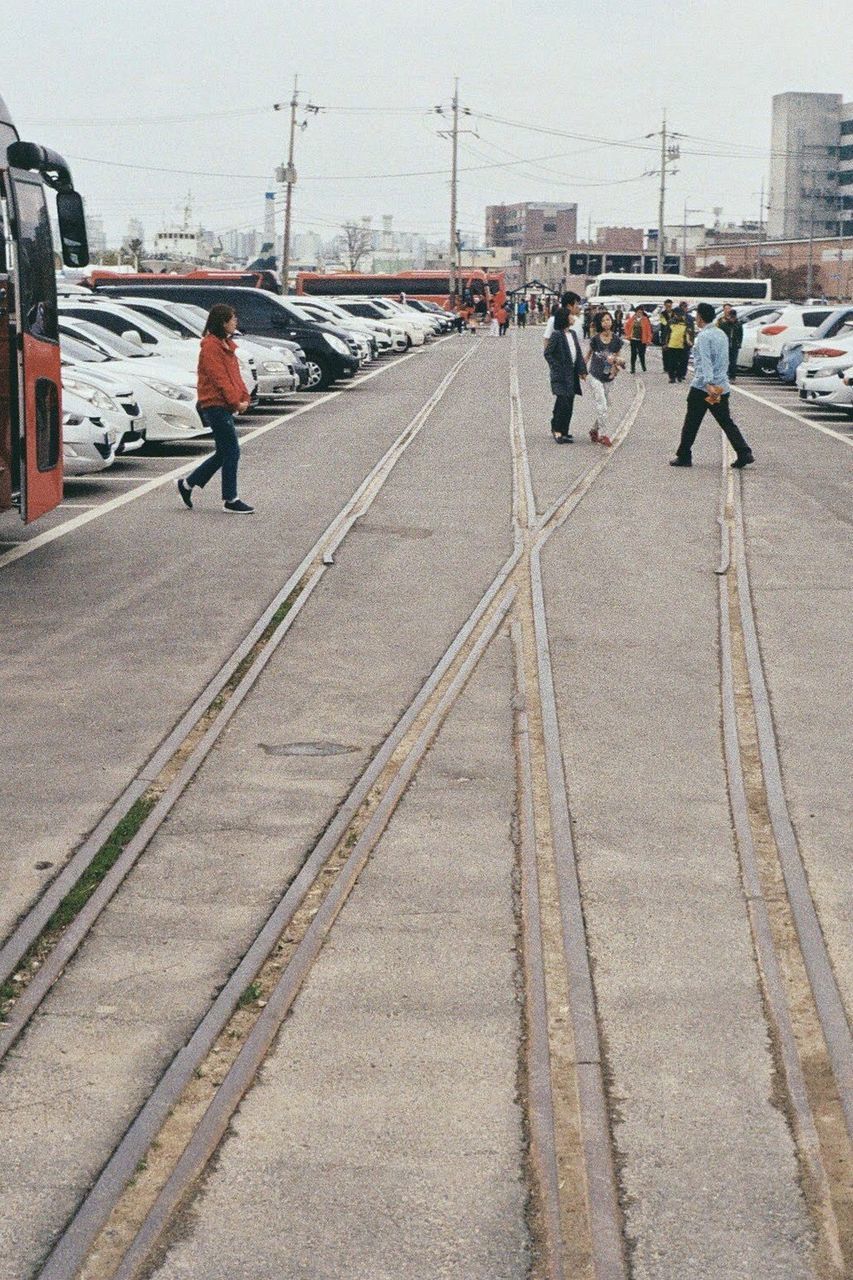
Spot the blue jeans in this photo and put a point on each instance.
(226, 454)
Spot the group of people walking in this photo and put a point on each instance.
(714, 347)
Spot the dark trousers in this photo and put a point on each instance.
(697, 406)
(638, 352)
(561, 418)
(504, 325)
(666, 356)
(678, 358)
(733, 355)
(226, 454)
(522, 321)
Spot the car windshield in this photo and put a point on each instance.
(152, 327)
(193, 317)
(110, 341)
(173, 324)
(77, 350)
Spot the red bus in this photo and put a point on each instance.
(427, 286)
(30, 386)
(249, 279)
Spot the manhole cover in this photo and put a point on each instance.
(306, 748)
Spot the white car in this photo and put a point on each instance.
(374, 309)
(165, 393)
(400, 310)
(147, 333)
(822, 376)
(104, 391)
(751, 328)
(792, 324)
(88, 441)
(276, 370)
(325, 311)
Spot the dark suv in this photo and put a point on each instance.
(329, 351)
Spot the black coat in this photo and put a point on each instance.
(565, 374)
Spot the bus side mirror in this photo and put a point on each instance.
(72, 228)
(133, 336)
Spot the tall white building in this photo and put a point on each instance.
(811, 166)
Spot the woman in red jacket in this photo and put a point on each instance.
(221, 394)
(638, 331)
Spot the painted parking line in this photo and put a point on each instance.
(789, 413)
(18, 550)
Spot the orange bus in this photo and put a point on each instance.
(426, 286)
(30, 383)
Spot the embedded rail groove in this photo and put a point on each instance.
(815, 1139)
(294, 594)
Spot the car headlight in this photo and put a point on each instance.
(72, 420)
(93, 395)
(273, 366)
(337, 344)
(169, 389)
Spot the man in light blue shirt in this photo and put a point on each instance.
(710, 390)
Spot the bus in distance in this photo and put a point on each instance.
(30, 384)
(427, 286)
(654, 289)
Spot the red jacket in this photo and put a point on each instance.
(645, 325)
(219, 381)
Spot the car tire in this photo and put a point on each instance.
(319, 376)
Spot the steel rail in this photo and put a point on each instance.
(70, 1251)
(543, 1141)
(770, 972)
(31, 927)
(825, 993)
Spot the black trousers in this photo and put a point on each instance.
(697, 406)
(561, 418)
(678, 358)
(638, 351)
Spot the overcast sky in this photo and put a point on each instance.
(189, 85)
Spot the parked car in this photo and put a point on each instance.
(432, 325)
(88, 441)
(387, 337)
(81, 374)
(374, 309)
(793, 322)
(365, 342)
(751, 328)
(329, 352)
(276, 373)
(822, 375)
(145, 332)
(165, 393)
(447, 319)
(295, 352)
(835, 324)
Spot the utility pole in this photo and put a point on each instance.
(454, 230)
(810, 275)
(760, 231)
(667, 155)
(286, 174)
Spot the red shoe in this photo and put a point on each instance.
(606, 441)
(593, 435)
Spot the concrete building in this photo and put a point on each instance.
(472, 258)
(530, 225)
(811, 168)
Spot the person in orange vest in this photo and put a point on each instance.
(503, 318)
(638, 331)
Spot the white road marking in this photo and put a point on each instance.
(21, 549)
(798, 417)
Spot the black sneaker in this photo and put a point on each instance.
(239, 508)
(185, 490)
(681, 462)
(743, 460)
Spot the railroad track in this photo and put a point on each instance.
(807, 1020)
(229, 1043)
(576, 1216)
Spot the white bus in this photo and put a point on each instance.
(653, 290)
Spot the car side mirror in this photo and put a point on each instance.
(133, 336)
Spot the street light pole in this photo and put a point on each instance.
(454, 231)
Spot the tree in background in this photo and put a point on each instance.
(357, 243)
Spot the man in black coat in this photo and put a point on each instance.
(733, 329)
(567, 368)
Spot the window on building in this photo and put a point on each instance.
(549, 227)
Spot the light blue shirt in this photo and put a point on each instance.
(711, 359)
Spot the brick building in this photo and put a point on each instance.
(786, 262)
(530, 225)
